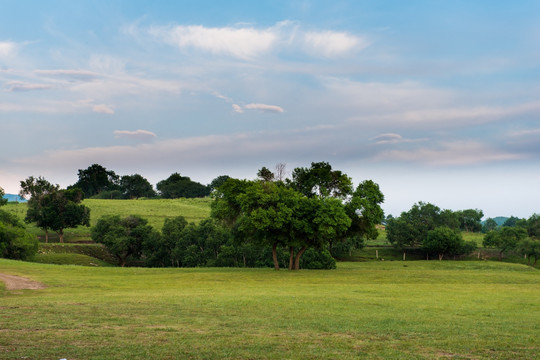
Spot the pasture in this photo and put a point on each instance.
(375, 310)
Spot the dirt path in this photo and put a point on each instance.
(20, 283)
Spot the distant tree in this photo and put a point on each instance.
(15, 241)
(96, 179)
(489, 225)
(62, 209)
(530, 247)
(511, 221)
(321, 180)
(280, 172)
(177, 186)
(265, 174)
(217, 182)
(505, 238)
(124, 237)
(470, 220)
(2, 200)
(445, 241)
(410, 229)
(533, 226)
(161, 253)
(135, 186)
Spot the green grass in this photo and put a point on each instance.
(373, 310)
(154, 210)
(68, 259)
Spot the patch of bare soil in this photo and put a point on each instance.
(20, 283)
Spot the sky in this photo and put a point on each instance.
(436, 101)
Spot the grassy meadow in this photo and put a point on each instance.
(154, 210)
(372, 310)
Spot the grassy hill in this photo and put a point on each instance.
(374, 310)
(154, 210)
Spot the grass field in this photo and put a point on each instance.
(154, 210)
(373, 310)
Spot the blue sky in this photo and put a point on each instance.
(436, 101)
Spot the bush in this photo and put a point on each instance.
(15, 242)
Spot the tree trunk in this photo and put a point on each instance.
(274, 256)
(440, 256)
(500, 255)
(297, 259)
(46, 236)
(291, 257)
(61, 234)
(404, 256)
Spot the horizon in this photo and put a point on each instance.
(435, 102)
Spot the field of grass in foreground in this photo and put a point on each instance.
(375, 310)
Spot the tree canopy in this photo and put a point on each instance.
(96, 179)
(135, 186)
(178, 186)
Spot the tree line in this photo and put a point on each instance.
(438, 232)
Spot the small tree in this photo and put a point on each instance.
(177, 186)
(124, 237)
(62, 209)
(444, 241)
(489, 225)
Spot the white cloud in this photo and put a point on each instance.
(7, 48)
(387, 138)
(264, 108)
(103, 109)
(331, 43)
(137, 134)
(237, 108)
(243, 43)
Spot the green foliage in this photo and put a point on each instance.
(511, 221)
(62, 209)
(445, 241)
(489, 225)
(136, 186)
(411, 229)
(177, 186)
(68, 259)
(321, 180)
(15, 241)
(96, 179)
(125, 238)
(218, 181)
(505, 238)
(110, 195)
(529, 247)
(470, 219)
(2, 200)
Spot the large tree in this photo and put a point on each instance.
(445, 241)
(470, 219)
(178, 186)
(96, 179)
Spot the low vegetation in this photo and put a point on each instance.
(375, 310)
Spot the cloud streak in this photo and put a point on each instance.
(137, 134)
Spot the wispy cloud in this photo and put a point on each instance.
(69, 74)
(137, 134)
(264, 108)
(103, 109)
(14, 86)
(237, 108)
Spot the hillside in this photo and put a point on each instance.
(13, 198)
